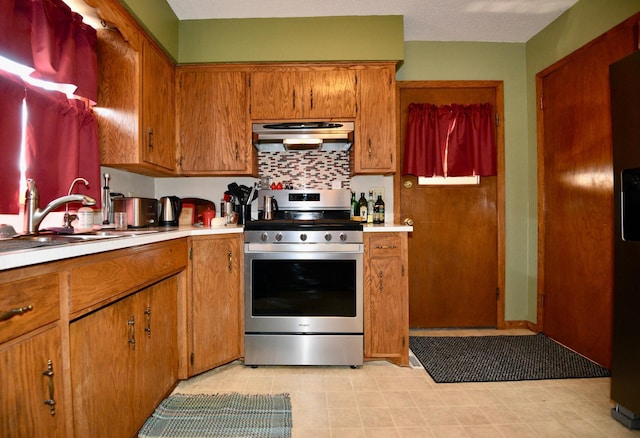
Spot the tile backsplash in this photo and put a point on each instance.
(306, 169)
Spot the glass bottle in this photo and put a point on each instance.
(378, 211)
(362, 203)
(355, 207)
(370, 205)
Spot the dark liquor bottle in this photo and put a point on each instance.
(378, 211)
(355, 207)
(362, 204)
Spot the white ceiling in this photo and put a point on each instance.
(424, 20)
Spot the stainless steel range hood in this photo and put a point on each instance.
(303, 136)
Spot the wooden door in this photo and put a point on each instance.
(213, 126)
(576, 197)
(216, 329)
(455, 247)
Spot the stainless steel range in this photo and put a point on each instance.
(303, 281)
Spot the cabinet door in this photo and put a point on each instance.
(157, 345)
(330, 94)
(276, 95)
(213, 124)
(26, 386)
(386, 298)
(102, 353)
(216, 302)
(158, 109)
(375, 135)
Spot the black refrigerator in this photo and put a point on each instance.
(625, 118)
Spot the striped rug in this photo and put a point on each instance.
(220, 415)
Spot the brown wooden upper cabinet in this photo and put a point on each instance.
(136, 105)
(374, 149)
(286, 93)
(213, 125)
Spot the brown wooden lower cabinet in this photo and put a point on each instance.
(215, 301)
(124, 361)
(386, 297)
(31, 376)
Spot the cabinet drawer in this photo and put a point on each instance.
(385, 245)
(40, 292)
(126, 271)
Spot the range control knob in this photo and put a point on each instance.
(303, 237)
(343, 237)
(278, 237)
(328, 237)
(264, 237)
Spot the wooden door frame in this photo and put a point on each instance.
(498, 86)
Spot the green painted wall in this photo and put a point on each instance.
(292, 39)
(491, 61)
(158, 20)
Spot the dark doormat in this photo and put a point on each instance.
(451, 359)
(220, 415)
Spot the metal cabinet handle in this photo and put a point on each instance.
(150, 136)
(132, 332)
(230, 256)
(381, 278)
(147, 329)
(386, 246)
(369, 150)
(51, 400)
(293, 99)
(311, 98)
(237, 151)
(14, 312)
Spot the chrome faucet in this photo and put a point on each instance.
(33, 215)
(68, 218)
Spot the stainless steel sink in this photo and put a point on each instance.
(44, 240)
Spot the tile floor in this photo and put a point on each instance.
(383, 400)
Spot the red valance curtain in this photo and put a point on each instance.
(47, 36)
(61, 144)
(450, 140)
(61, 141)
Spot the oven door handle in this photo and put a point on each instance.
(354, 248)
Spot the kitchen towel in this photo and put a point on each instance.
(453, 359)
(220, 415)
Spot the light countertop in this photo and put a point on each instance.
(34, 256)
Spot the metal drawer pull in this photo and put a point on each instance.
(132, 331)
(13, 312)
(51, 401)
(386, 247)
(147, 329)
(381, 285)
(230, 255)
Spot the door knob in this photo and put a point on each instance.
(408, 221)
(408, 184)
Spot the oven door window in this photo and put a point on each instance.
(304, 288)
